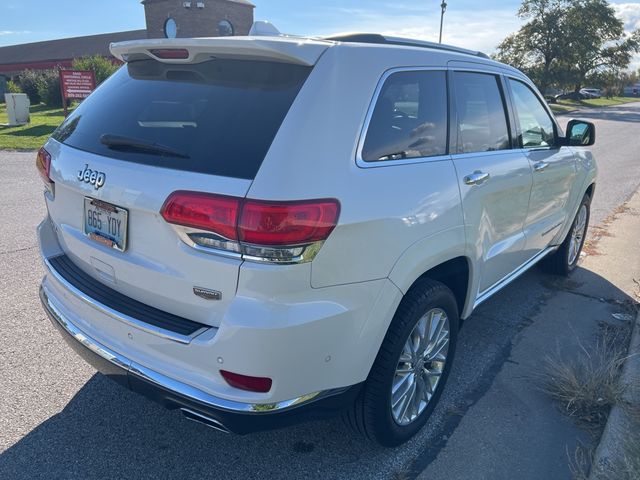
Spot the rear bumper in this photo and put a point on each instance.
(220, 413)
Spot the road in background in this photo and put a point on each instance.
(60, 420)
(617, 151)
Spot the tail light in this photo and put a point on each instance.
(276, 232)
(266, 223)
(214, 213)
(43, 164)
(245, 382)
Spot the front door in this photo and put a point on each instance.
(554, 168)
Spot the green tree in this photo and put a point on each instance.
(565, 41)
(102, 67)
(597, 43)
(539, 44)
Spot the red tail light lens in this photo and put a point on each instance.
(244, 382)
(275, 232)
(43, 164)
(287, 223)
(214, 213)
(171, 53)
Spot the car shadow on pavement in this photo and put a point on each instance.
(105, 431)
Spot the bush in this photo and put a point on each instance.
(28, 81)
(102, 67)
(13, 87)
(48, 85)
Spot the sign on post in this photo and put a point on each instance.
(76, 85)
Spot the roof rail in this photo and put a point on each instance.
(407, 42)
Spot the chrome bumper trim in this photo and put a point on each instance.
(160, 332)
(164, 382)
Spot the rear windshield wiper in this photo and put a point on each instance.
(119, 142)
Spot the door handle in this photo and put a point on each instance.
(476, 178)
(540, 166)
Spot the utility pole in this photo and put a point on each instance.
(444, 9)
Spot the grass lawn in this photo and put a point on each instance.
(568, 105)
(44, 121)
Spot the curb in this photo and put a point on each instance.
(620, 423)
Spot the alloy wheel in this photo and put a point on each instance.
(577, 234)
(420, 366)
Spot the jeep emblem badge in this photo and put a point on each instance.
(92, 177)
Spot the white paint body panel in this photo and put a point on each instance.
(319, 325)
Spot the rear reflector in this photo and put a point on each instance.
(287, 223)
(43, 164)
(244, 382)
(171, 53)
(214, 213)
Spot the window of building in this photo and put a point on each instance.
(482, 121)
(225, 28)
(409, 119)
(170, 28)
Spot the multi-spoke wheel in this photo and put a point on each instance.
(564, 260)
(420, 366)
(577, 234)
(411, 368)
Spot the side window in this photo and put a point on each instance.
(536, 129)
(409, 119)
(482, 122)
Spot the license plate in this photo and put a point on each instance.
(105, 223)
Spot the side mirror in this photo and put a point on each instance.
(580, 134)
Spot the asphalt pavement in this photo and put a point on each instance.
(59, 419)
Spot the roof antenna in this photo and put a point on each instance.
(264, 29)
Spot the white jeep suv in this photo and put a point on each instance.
(261, 230)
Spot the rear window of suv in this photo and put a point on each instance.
(218, 117)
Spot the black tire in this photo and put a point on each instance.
(371, 413)
(558, 262)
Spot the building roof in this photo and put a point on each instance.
(242, 2)
(14, 58)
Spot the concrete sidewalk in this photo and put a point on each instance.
(514, 430)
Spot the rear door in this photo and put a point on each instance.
(152, 129)
(554, 167)
(494, 179)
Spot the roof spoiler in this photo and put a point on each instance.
(270, 48)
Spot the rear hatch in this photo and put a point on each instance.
(190, 115)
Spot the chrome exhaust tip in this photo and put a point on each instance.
(204, 420)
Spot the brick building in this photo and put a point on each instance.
(197, 18)
(164, 19)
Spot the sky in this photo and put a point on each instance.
(475, 24)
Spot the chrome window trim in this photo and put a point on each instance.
(164, 382)
(492, 153)
(361, 162)
(133, 322)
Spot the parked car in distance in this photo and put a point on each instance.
(591, 93)
(262, 230)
